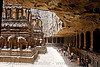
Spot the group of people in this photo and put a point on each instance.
(81, 61)
(66, 53)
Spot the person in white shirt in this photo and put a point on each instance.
(64, 52)
(72, 55)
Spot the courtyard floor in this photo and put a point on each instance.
(51, 59)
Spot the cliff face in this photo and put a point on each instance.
(51, 23)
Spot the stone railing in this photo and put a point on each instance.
(93, 56)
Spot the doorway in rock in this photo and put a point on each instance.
(96, 40)
(88, 40)
(82, 40)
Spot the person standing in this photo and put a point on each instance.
(64, 52)
(78, 61)
(82, 61)
(72, 55)
(61, 50)
(86, 62)
(57, 49)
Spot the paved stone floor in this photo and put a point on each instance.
(67, 61)
(51, 59)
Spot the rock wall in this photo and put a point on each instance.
(51, 23)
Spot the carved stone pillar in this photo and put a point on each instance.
(84, 40)
(79, 40)
(52, 39)
(47, 40)
(91, 47)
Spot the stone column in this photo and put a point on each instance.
(79, 40)
(52, 39)
(84, 40)
(91, 47)
(47, 40)
(76, 40)
(56, 39)
(5, 13)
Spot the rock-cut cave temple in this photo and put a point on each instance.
(28, 27)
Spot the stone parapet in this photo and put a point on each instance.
(93, 56)
(18, 56)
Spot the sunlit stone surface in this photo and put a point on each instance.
(51, 59)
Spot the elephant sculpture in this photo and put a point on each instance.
(31, 42)
(2, 42)
(12, 43)
(22, 43)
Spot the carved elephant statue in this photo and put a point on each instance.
(22, 43)
(31, 42)
(12, 43)
(2, 42)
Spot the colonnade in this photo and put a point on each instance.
(87, 40)
(54, 39)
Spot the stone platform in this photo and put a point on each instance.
(21, 56)
(41, 49)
